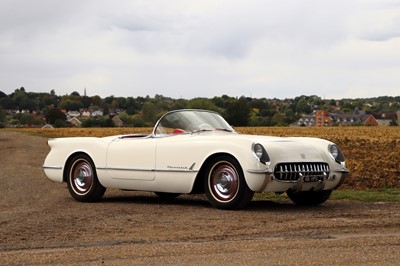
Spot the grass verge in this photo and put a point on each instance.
(367, 195)
(390, 195)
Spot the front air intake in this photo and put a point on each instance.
(310, 172)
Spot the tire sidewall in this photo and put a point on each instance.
(243, 194)
(96, 190)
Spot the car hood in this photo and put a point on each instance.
(296, 149)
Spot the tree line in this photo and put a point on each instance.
(31, 108)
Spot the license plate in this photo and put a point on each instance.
(313, 178)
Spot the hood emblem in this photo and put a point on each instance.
(303, 155)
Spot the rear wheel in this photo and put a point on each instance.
(225, 185)
(82, 180)
(310, 198)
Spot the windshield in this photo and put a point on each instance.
(190, 121)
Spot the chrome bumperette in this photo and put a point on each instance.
(344, 174)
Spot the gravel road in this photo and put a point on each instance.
(40, 224)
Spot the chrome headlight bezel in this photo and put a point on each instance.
(336, 153)
(260, 153)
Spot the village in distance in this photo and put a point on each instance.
(31, 109)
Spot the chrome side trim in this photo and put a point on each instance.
(126, 169)
(178, 171)
(148, 170)
(267, 171)
(52, 167)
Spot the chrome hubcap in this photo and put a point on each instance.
(82, 177)
(224, 182)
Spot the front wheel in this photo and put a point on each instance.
(311, 198)
(82, 180)
(225, 185)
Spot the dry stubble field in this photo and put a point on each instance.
(40, 224)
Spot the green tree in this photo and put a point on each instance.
(201, 103)
(302, 107)
(71, 105)
(126, 118)
(96, 100)
(278, 120)
(55, 114)
(138, 121)
(290, 116)
(2, 117)
(28, 104)
(149, 111)
(179, 104)
(238, 112)
(7, 103)
(86, 101)
(25, 119)
(59, 123)
(19, 97)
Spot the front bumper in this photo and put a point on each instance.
(305, 182)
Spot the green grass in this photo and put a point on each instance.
(367, 195)
(347, 194)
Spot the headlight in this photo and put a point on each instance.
(336, 153)
(260, 153)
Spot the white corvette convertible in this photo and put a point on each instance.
(196, 151)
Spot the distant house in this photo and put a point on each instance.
(371, 121)
(306, 121)
(75, 122)
(115, 111)
(10, 111)
(73, 114)
(386, 119)
(353, 120)
(47, 126)
(320, 118)
(97, 113)
(84, 113)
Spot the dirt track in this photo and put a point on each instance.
(41, 224)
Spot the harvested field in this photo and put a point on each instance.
(372, 153)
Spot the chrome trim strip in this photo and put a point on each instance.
(260, 171)
(52, 167)
(178, 171)
(148, 170)
(126, 169)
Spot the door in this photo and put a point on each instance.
(132, 158)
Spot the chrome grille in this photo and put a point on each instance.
(311, 172)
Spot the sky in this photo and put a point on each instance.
(187, 49)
